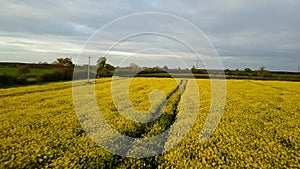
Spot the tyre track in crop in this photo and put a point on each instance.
(154, 128)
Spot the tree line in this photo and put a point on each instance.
(63, 70)
(60, 70)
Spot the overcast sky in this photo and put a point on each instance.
(251, 33)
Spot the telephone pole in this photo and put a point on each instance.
(88, 75)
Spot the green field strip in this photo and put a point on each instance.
(55, 86)
(33, 71)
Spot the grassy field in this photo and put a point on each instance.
(33, 71)
(260, 127)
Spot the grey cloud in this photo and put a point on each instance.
(254, 31)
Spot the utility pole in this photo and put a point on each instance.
(197, 64)
(88, 75)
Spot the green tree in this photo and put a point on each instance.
(64, 68)
(63, 62)
(22, 70)
(263, 73)
(248, 71)
(236, 72)
(101, 65)
(228, 72)
(104, 69)
(101, 62)
(194, 70)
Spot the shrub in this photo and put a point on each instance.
(24, 69)
(7, 80)
(50, 77)
(21, 79)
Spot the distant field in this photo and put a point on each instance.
(260, 126)
(8, 70)
(286, 75)
(275, 76)
(33, 71)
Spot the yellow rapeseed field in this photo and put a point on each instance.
(260, 126)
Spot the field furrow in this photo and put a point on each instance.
(157, 129)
